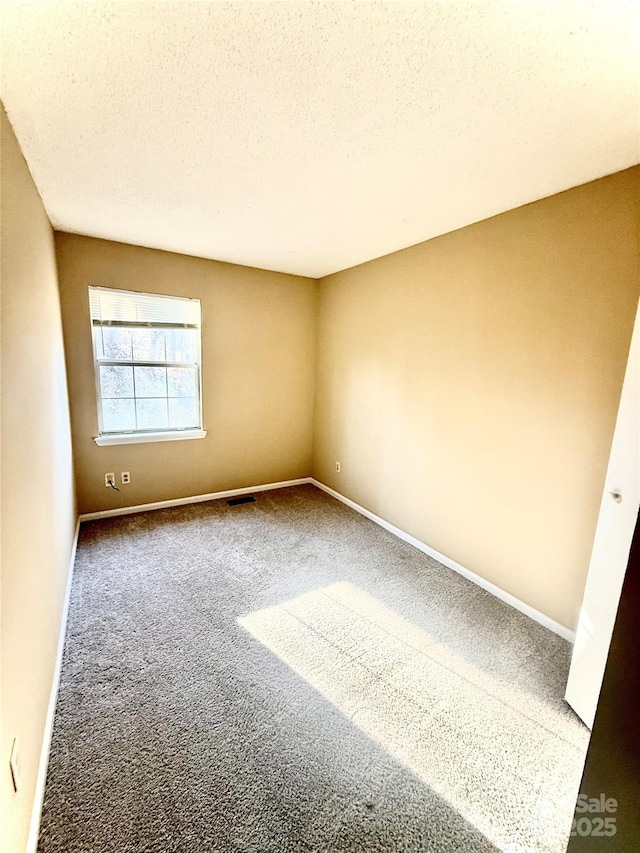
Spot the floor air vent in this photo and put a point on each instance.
(245, 499)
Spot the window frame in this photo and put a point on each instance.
(140, 436)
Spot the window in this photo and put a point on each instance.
(147, 358)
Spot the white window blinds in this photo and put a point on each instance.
(114, 307)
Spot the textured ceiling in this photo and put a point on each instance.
(309, 137)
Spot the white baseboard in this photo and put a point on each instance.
(41, 779)
(213, 496)
(534, 614)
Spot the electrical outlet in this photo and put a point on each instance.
(14, 765)
(110, 479)
(338, 466)
(125, 478)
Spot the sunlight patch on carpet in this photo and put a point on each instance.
(499, 756)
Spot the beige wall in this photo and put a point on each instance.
(469, 386)
(37, 510)
(258, 345)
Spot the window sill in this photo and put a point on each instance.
(145, 437)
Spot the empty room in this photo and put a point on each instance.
(320, 426)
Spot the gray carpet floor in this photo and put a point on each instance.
(287, 676)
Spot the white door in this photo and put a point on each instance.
(616, 524)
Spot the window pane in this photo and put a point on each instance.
(182, 382)
(116, 381)
(148, 344)
(118, 415)
(151, 381)
(182, 345)
(152, 414)
(183, 412)
(117, 342)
